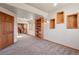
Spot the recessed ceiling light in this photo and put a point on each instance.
(55, 4)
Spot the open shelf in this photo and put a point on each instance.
(39, 27)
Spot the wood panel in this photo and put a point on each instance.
(72, 21)
(6, 30)
(3, 32)
(10, 29)
(60, 17)
(52, 23)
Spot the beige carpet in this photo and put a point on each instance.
(28, 45)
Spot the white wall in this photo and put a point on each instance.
(62, 35)
(15, 26)
(32, 30)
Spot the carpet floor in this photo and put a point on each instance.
(28, 45)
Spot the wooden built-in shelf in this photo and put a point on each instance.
(39, 23)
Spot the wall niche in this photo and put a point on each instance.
(72, 21)
(60, 17)
(52, 23)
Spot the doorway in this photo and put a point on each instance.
(22, 28)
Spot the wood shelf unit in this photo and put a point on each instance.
(52, 23)
(72, 21)
(60, 17)
(39, 22)
(6, 30)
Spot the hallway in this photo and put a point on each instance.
(28, 45)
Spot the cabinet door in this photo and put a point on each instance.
(0, 33)
(10, 33)
(6, 30)
(10, 29)
(3, 39)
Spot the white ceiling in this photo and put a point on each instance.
(47, 7)
(42, 6)
(19, 12)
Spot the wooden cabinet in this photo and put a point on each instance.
(72, 21)
(39, 23)
(6, 30)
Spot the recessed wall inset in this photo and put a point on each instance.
(72, 21)
(60, 17)
(52, 23)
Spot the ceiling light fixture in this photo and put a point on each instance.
(55, 4)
